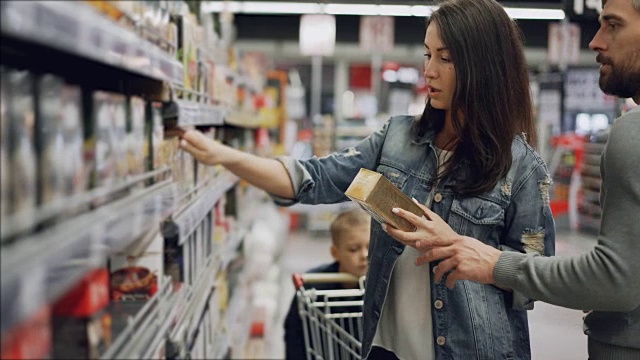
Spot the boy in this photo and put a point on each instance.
(350, 247)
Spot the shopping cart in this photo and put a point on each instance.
(331, 319)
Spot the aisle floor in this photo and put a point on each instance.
(556, 333)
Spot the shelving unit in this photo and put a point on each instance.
(589, 208)
(60, 260)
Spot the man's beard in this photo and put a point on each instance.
(624, 79)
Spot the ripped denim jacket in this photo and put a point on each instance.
(477, 321)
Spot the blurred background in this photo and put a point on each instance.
(117, 244)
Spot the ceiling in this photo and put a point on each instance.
(277, 34)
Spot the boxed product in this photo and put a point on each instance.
(21, 144)
(4, 151)
(29, 340)
(135, 271)
(173, 253)
(377, 195)
(120, 136)
(82, 324)
(100, 142)
(75, 171)
(154, 133)
(49, 138)
(136, 145)
(59, 139)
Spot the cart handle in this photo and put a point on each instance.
(300, 279)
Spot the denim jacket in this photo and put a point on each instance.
(471, 321)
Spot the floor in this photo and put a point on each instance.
(556, 333)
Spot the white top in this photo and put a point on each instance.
(406, 326)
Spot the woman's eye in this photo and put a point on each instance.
(428, 56)
(444, 59)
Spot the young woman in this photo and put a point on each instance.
(467, 159)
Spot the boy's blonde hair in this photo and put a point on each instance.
(347, 221)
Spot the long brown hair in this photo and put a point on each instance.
(492, 90)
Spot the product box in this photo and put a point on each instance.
(154, 133)
(136, 144)
(82, 325)
(4, 140)
(59, 139)
(21, 144)
(75, 172)
(100, 140)
(173, 253)
(120, 136)
(136, 270)
(49, 138)
(29, 340)
(377, 195)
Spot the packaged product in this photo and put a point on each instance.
(49, 138)
(136, 270)
(82, 325)
(4, 139)
(29, 340)
(100, 140)
(74, 169)
(173, 253)
(120, 136)
(21, 144)
(136, 144)
(154, 133)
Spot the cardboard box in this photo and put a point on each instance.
(136, 144)
(4, 151)
(59, 138)
(377, 195)
(21, 144)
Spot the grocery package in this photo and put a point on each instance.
(135, 272)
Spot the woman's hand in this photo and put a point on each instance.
(464, 258)
(203, 148)
(428, 227)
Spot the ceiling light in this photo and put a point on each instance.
(351, 9)
(530, 13)
(263, 7)
(267, 7)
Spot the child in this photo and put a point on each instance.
(350, 247)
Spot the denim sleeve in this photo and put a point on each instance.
(324, 180)
(529, 224)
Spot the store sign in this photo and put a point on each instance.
(376, 33)
(317, 35)
(582, 91)
(577, 10)
(563, 44)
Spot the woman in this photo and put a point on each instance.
(467, 159)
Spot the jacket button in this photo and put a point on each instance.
(440, 340)
(438, 304)
(437, 198)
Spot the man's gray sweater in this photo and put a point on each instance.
(607, 278)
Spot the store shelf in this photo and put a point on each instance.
(243, 119)
(73, 247)
(145, 330)
(194, 305)
(189, 218)
(78, 29)
(192, 113)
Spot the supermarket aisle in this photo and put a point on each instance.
(556, 333)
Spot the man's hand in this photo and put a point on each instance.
(464, 258)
